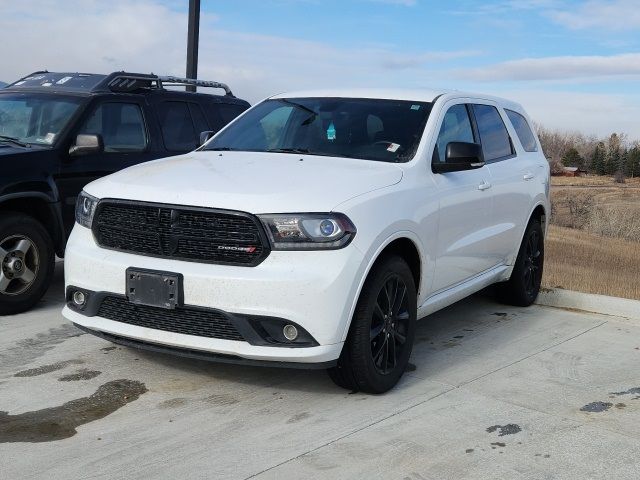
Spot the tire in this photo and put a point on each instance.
(361, 366)
(524, 285)
(26, 262)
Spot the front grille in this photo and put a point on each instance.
(186, 320)
(184, 233)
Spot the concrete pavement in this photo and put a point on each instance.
(494, 393)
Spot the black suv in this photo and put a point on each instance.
(59, 131)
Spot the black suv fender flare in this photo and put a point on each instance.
(43, 208)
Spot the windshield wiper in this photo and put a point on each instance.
(288, 150)
(220, 149)
(5, 138)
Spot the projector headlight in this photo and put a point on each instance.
(308, 231)
(85, 209)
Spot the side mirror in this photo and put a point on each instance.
(205, 136)
(87, 144)
(460, 156)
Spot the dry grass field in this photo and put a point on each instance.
(593, 244)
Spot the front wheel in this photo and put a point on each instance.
(524, 285)
(26, 262)
(380, 339)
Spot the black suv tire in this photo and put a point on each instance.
(523, 287)
(380, 339)
(25, 246)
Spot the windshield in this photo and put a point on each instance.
(382, 130)
(35, 119)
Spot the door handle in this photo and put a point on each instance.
(528, 176)
(484, 185)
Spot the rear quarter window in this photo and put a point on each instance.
(523, 130)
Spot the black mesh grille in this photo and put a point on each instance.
(199, 235)
(189, 321)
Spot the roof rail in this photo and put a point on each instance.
(173, 81)
(126, 82)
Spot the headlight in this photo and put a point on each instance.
(308, 231)
(85, 208)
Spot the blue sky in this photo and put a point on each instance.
(575, 65)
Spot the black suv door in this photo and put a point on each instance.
(127, 141)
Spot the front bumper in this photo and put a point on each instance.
(315, 290)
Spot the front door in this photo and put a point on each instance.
(122, 126)
(466, 206)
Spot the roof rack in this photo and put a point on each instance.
(174, 81)
(127, 82)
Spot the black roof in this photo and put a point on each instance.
(97, 83)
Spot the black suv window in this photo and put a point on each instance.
(456, 127)
(177, 126)
(493, 133)
(523, 130)
(121, 126)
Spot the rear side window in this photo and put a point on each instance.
(523, 130)
(121, 126)
(177, 127)
(493, 133)
(228, 111)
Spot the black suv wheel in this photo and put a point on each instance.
(524, 285)
(380, 339)
(26, 262)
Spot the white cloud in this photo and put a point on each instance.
(608, 14)
(558, 68)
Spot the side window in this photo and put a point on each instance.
(121, 126)
(493, 133)
(177, 127)
(198, 119)
(523, 130)
(229, 111)
(456, 127)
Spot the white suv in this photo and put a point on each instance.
(314, 230)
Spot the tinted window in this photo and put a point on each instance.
(228, 111)
(493, 133)
(121, 126)
(198, 118)
(456, 127)
(523, 130)
(177, 127)
(369, 129)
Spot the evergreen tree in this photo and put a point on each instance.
(612, 162)
(632, 165)
(598, 160)
(573, 159)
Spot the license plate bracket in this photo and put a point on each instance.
(154, 288)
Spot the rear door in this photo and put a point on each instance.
(513, 171)
(122, 123)
(466, 207)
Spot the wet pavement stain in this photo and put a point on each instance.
(509, 429)
(27, 350)
(499, 314)
(173, 403)
(57, 423)
(411, 367)
(83, 374)
(221, 399)
(631, 391)
(299, 417)
(469, 450)
(596, 407)
(459, 336)
(34, 372)
(498, 444)
(108, 349)
(620, 406)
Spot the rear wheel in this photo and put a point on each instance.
(26, 262)
(380, 339)
(524, 285)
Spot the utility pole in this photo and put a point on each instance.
(193, 38)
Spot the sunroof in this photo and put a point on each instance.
(59, 81)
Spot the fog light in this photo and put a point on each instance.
(290, 332)
(79, 298)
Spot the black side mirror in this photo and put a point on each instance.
(87, 144)
(460, 156)
(205, 136)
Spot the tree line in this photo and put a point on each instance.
(614, 155)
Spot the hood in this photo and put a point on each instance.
(253, 182)
(10, 149)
